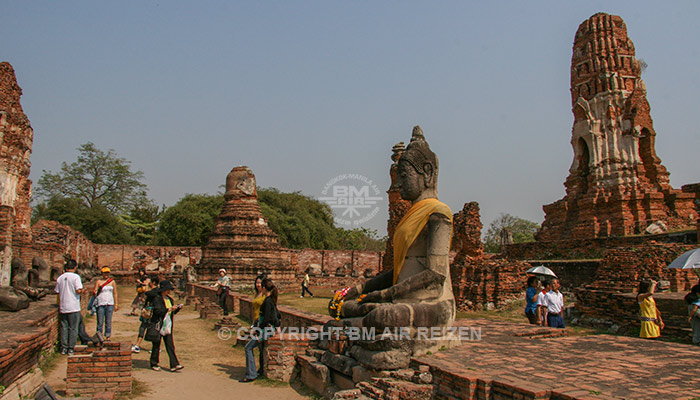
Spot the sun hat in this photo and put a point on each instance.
(166, 285)
(105, 269)
(222, 270)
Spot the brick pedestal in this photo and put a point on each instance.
(280, 353)
(93, 370)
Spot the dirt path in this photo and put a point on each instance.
(212, 366)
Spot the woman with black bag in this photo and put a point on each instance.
(163, 306)
(267, 325)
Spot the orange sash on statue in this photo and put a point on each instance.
(411, 225)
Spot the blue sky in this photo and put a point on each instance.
(303, 91)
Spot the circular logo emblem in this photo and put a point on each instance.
(353, 198)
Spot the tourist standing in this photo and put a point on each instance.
(162, 305)
(142, 281)
(305, 285)
(268, 322)
(693, 300)
(69, 287)
(105, 292)
(531, 300)
(146, 312)
(542, 303)
(555, 306)
(651, 322)
(257, 303)
(223, 287)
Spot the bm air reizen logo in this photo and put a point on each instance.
(353, 199)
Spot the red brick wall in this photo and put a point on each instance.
(92, 370)
(132, 257)
(53, 241)
(589, 248)
(25, 334)
(330, 260)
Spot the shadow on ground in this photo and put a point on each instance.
(233, 371)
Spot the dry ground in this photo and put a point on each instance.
(212, 366)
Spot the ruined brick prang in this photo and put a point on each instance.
(397, 207)
(467, 232)
(16, 138)
(241, 241)
(616, 184)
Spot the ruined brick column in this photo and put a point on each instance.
(397, 207)
(241, 241)
(616, 184)
(16, 138)
(467, 232)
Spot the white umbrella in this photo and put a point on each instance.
(688, 260)
(541, 270)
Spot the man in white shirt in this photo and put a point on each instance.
(555, 306)
(542, 303)
(69, 287)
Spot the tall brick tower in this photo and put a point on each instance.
(616, 184)
(241, 241)
(16, 137)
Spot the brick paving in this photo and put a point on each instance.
(596, 366)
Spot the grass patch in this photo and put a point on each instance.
(48, 361)
(317, 304)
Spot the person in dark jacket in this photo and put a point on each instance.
(267, 323)
(153, 285)
(162, 305)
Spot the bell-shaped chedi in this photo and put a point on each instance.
(241, 241)
(16, 136)
(616, 184)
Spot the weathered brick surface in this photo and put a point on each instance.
(151, 258)
(16, 137)
(241, 241)
(479, 279)
(617, 185)
(24, 335)
(342, 263)
(54, 241)
(507, 363)
(578, 249)
(93, 370)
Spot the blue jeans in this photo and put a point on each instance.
(250, 371)
(104, 317)
(69, 329)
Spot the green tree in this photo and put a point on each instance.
(141, 223)
(189, 222)
(299, 221)
(96, 179)
(522, 230)
(361, 239)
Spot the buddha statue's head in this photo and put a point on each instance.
(418, 169)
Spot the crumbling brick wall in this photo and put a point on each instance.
(151, 258)
(350, 263)
(16, 137)
(54, 241)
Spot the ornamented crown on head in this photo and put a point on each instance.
(418, 153)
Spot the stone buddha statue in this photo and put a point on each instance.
(417, 292)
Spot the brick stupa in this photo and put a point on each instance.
(241, 241)
(16, 137)
(616, 184)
